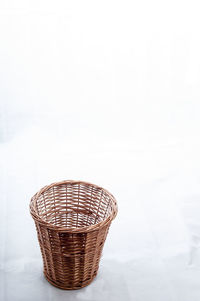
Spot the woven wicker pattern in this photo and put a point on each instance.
(72, 220)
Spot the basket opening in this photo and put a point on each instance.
(74, 205)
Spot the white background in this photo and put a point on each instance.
(106, 92)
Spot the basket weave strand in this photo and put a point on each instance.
(72, 220)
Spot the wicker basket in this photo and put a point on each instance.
(72, 220)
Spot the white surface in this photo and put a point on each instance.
(106, 92)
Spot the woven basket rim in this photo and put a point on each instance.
(89, 228)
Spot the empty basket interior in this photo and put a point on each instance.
(74, 205)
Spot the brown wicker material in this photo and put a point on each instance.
(72, 220)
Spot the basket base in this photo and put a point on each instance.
(69, 288)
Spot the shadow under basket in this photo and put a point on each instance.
(72, 219)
